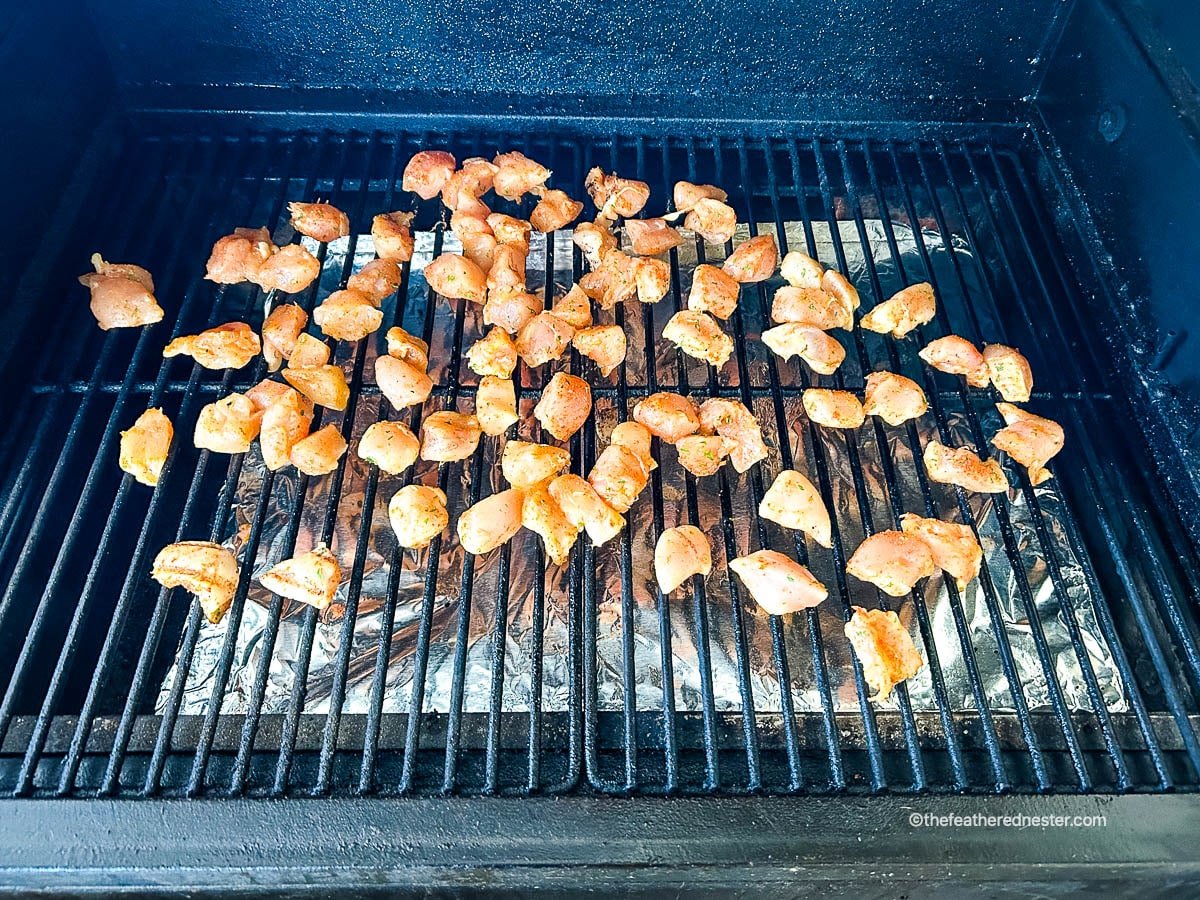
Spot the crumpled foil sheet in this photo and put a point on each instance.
(521, 643)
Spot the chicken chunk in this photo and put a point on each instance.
(1029, 439)
(543, 338)
(511, 310)
(144, 446)
(615, 279)
(390, 445)
(1009, 372)
(574, 307)
(427, 173)
(462, 190)
(839, 287)
(961, 467)
(517, 175)
(391, 233)
(525, 464)
(668, 416)
(228, 346)
(778, 583)
(713, 220)
(653, 280)
(685, 195)
(698, 335)
(884, 649)
(679, 554)
(418, 515)
(565, 404)
(794, 502)
(731, 419)
(833, 409)
(892, 561)
(280, 331)
(541, 514)
(713, 291)
(893, 398)
(457, 278)
(616, 197)
(904, 311)
(957, 356)
(493, 354)
(508, 270)
(495, 404)
(323, 385)
(754, 260)
(554, 210)
(822, 353)
(377, 280)
(447, 436)
(954, 547)
(491, 522)
(122, 295)
(605, 345)
(800, 270)
(207, 570)
(814, 307)
(347, 315)
(402, 383)
(265, 393)
(290, 270)
(479, 243)
(650, 237)
(239, 256)
(704, 454)
(284, 423)
(322, 222)
(311, 577)
(407, 348)
(228, 425)
(636, 437)
(309, 351)
(319, 452)
(619, 476)
(595, 240)
(511, 231)
(586, 509)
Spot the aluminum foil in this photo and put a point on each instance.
(1018, 596)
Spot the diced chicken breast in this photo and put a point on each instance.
(391, 233)
(565, 404)
(713, 220)
(595, 240)
(892, 561)
(698, 335)
(810, 306)
(508, 270)
(427, 173)
(207, 570)
(525, 464)
(616, 197)
(285, 422)
(1029, 439)
(543, 338)
(794, 502)
(541, 514)
(495, 404)
(605, 345)
(884, 649)
(554, 210)
(668, 416)
(479, 243)
(838, 286)
(309, 351)
(511, 310)
(462, 190)
(713, 291)
(228, 425)
(311, 577)
(653, 280)
(954, 548)
(402, 383)
(457, 278)
(778, 583)
(517, 175)
(319, 221)
(447, 436)
(800, 270)
(584, 508)
(228, 346)
(904, 311)
(619, 476)
(833, 409)
(753, 260)
(263, 394)
(893, 398)
(377, 280)
(960, 466)
(957, 356)
(650, 237)
(822, 352)
(1009, 372)
(418, 515)
(319, 452)
(323, 385)
(239, 256)
(347, 315)
(491, 522)
(574, 307)
(614, 280)
(636, 437)
(510, 230)
(408, 348)
(704, 454)
(686, 195)
(390, 445)
(144, 446)
(493, 354)
(122, 295)
(680, 553)
(279, 333)
(729, 418)
(291, 270)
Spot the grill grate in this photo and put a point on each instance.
(88, 638)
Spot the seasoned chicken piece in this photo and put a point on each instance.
(525, 464)
(479, 243)
(731, 419)
(320, 221)
(228, 425)
(713, 291)
(517, 175)
(616, 197)
(447, 436)
(957, 356)
(954, 547)
(390, 445)
(586, 509)
(794, 502)
(653, 280)
(207, 570)
(800, 270)
(810, 306)
(318, 454)
(491, 522)
(615, 279)
(508, 270)
(262, 395)
(427, 173)
(754, 260)
(510, 230)
(377, 280)
(960, 466)
(778, 583)
(833, 409)
(418, 515)
(680, 553)
(511, 310)
(884, 649)
(408, 348)
(636, 437)
(698, 335)
(1009, 372)
(605, 345)
(144, 446)
(391, 233)
(686, 195)
(122, 295)
(905, 310)
(668, 416)
(291, 270)
(713, 220)
(1029, 439)
(323, 385)
(309, 351)
(618, 476)
(541, 514)
(284, 423)
(279, 333)
(462, 190)
(401, 382)
(565, 404)
(457, 278)
(704, 454)
(493, 354)
(839, 287)
(543, 338)
(310, 578)
(574, 308)
(822, 353)
(347, 315)
(228, 346)
(239, 256)
(554, 210)
(893, 398)
(650, 237)
(594, 240)
(892, 561)
(495, 404)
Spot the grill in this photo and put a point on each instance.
(97, 699)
